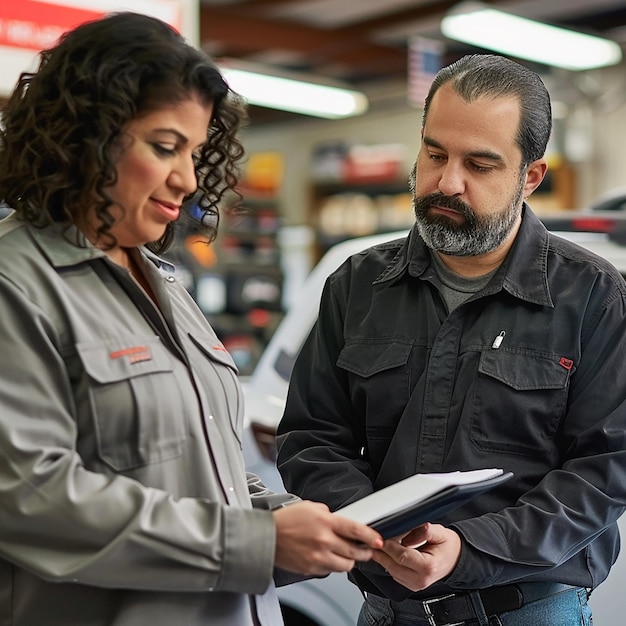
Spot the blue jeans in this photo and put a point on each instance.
(566, 608)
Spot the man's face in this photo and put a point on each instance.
(468, 180)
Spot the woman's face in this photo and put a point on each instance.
(155, 170)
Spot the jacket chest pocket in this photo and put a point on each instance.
(380, 386)
(519, 400)
(137, 411)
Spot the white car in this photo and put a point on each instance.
(334, 601)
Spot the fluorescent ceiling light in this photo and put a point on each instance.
(290, 94)
(476, 24)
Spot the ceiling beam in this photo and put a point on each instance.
(228, 33)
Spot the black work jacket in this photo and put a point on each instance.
(389, 384)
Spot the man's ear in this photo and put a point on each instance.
(535, 173)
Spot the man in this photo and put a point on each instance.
(479, 341)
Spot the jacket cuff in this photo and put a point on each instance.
(249, 550)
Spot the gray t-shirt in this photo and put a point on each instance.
(457, 289)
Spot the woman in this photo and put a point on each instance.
(123, 491)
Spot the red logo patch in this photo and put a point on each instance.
(566, 363)
(136, 354)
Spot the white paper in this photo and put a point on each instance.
(409, 491)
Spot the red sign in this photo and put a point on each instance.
(37, 25)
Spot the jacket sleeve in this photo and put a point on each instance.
(264, 498)
(320, 438)
(65, 523)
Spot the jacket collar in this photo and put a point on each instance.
(71, 247)
(523, 273)
(64, 247)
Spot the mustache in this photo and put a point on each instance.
(423, 203)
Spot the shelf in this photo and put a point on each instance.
(237, 280)
(341, 211)
(327, 188)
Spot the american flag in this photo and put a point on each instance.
(425, 60)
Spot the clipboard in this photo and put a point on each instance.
(421, 498)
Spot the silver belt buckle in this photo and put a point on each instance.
(430, 615)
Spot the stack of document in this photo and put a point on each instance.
(421, 498)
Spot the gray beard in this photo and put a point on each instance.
(476, 236)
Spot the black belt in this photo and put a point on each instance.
(457, 608)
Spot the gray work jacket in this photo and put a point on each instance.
(123, 494)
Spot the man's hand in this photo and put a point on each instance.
(313, 541)
(422, 557)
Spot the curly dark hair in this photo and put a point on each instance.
(61, 122)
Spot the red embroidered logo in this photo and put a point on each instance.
(136, 354)
(566, 363)
(219, 347)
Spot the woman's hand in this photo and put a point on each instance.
(311, 540)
